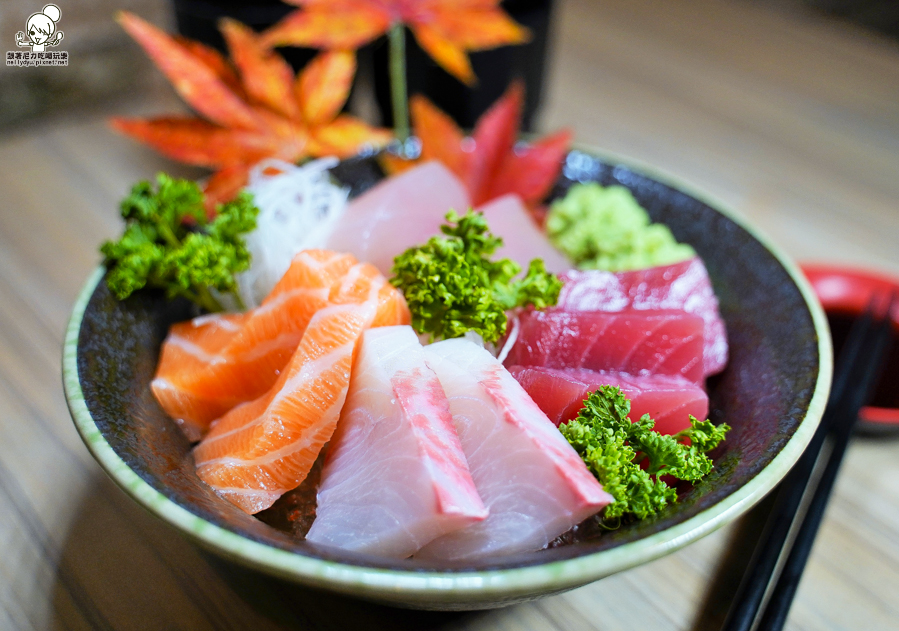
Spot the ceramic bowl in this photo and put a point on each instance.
(772, 393)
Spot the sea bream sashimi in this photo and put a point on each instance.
(212, 363)
(685, 286)
(395, 477)
(560, 393)
(266, 447)
(398, 213)
(664, 342)
(508, 218)
(532, 481)
(406, 210)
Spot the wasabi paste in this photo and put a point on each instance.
(605, 228)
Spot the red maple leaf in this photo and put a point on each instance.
(490, 162)
(250, 108)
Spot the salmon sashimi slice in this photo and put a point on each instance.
(534, 484)
(395, 477)
(560, 393)
(685, 285)
(210, 364)
(311, 268)
(364, 283)
(202, 375)
(190, 348)
(663, 342)
(266, 447)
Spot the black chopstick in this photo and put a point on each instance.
(764, 597)
(845, 418)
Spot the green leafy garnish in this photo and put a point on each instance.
(185, 258)
(605, 228)
(452, 286)
(613, 449)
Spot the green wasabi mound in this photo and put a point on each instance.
(605, 228)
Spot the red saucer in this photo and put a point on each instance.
(845, 293)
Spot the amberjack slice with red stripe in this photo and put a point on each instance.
(395, 477)
(532, 481)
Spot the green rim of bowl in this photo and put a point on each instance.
(485, 585)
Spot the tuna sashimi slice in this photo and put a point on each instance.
(635, 342)
(395, 477)
(522, 239)
(684, 285)
(399, 213)
(212, 363)
(532, 481)
(560, 393)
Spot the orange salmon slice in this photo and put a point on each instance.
(264, 448)
(213, 363)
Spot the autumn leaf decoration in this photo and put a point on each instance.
(250, 108)
(445, 29)
(490, 162)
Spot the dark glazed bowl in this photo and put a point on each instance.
(772, 393)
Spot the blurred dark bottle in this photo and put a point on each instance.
(495, 69)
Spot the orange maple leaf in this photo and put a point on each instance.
(252, 107)
(445, 29)
(490, 162)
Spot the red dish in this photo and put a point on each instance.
(845, 293)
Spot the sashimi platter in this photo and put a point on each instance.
(457, 372)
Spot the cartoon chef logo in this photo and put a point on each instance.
(41, 30)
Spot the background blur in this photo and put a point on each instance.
(785, 110)
(110, 66)
(720, 92)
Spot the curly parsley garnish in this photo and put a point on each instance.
(613, 449)
(452, 286)
(189, 259)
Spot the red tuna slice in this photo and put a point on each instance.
(399, 213)
(522, 239)
(396, 477)
(663, 342)
(685, 286)
(532, 481)
(670, 401)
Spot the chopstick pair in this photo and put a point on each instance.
(763, 599)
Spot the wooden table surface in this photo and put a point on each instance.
(790, 119)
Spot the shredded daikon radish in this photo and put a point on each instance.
(298, 207)
(510, 340)
(474, 337)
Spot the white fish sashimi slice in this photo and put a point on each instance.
(522, 239)
(396, 477)
(532, 481)
(399, 213)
